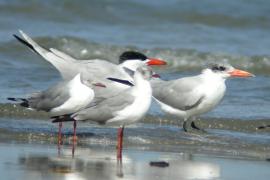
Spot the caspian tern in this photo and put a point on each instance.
(192, 96)
(94, 69)
(125, 108)
(66, 97)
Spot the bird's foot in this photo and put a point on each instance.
(193, 125)
(263, 127)
(192, 128)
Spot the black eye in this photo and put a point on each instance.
(222, 68)
(218, 68)
(215, 68)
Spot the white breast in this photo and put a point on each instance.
(213, 93)
(212, 90)
(80, 96)
(137, 109)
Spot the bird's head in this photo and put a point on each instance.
(133, 59)
(225, 71)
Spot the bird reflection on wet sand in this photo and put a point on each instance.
(79, 167)
(89, 164)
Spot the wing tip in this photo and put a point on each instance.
(22, 101)
(25, 42)
(62, 118)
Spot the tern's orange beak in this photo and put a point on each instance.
(154, 61)
(240, 73)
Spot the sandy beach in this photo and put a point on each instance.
(28, 154)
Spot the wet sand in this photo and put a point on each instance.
(14, 111)
(36, 161)
(29, 151)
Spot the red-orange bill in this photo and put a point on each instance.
(240, 73)
(157, 62)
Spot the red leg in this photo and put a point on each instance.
(59, 138)
(120, 142)
(74, 131)
(60, 133)
(74, 137)
(73, 149)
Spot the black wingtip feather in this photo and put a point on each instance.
(63, 118)
(11, 99)
(121, 81)
(23, 102)
(24, 42)
(16, 99)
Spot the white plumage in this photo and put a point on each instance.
(196, 95)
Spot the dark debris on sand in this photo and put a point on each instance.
(161, 164)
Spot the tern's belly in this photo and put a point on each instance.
(132, 113)
(212, 98)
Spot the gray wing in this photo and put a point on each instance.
(181, 93)
(69, 66)
(101, 73)
(106, 109)
(89, 69)
(112, 89)
(50, 98)
(61, 61)
(101, 69)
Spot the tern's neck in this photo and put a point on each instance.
(132, 64)
(142, 84)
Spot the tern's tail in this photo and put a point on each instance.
(61, 61)
(22, 101)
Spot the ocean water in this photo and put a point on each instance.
(188, 34)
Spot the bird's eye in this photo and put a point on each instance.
(215, 68)
(222, 68)
(218, 68)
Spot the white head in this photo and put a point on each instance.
(225, 71)
(142, 74)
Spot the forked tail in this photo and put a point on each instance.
(22, 101)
